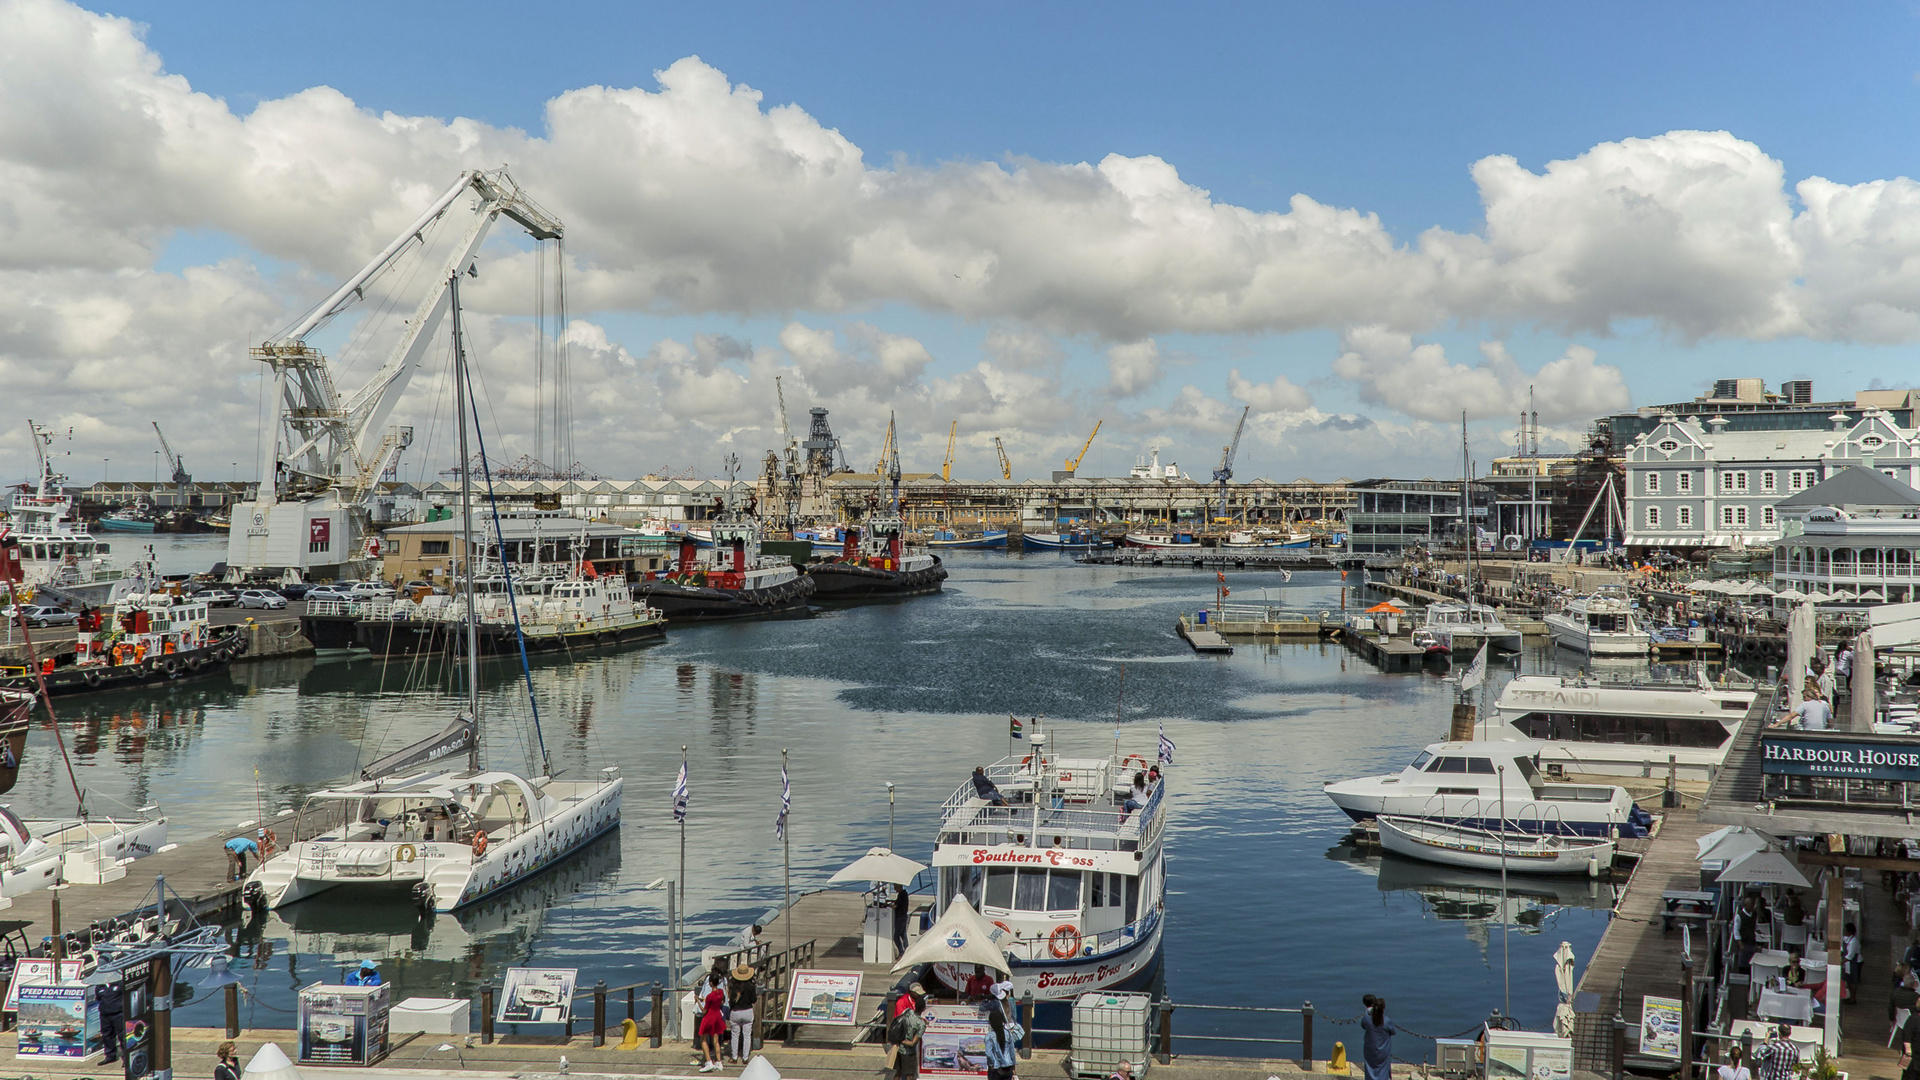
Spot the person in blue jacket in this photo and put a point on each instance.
(1377, 1034)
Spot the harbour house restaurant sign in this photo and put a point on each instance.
(1849, 757)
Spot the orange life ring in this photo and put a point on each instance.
(1133, 757)
(1064, 941)
(480, 842)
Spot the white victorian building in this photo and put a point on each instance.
(1694, 484)
(1854, 538)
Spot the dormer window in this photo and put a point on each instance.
(1668, 446)
(1871, 441)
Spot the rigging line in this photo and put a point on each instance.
(390, 300)
(562, 364)
(513, 603)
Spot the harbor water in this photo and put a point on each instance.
(1265, 905)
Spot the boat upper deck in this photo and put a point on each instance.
(1056, 802)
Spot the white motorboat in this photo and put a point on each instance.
(1603, 624)
(1466, 783)
(448, 838)
(1074, 882)
(27, 863)
(1463, 628)
(1488, 849)
(96, 850)
(1581, 726)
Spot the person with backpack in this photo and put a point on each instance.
(904, 1033)
(1003, 1043)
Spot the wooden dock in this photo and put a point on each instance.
(1203, 637)
(832, 920)
(1389, 653)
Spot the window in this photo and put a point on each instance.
(1669, 446)
(1653, 517)
(436, 547)
(1000, 889)
(1766, 481)
(1683, 482)
(1449, 764)
(1733, 481)
(1063, 890)
(1684, 517)
(1483, 766)
(1799, 480)
(1422, 759)
(1653, 483)
(1766, 516)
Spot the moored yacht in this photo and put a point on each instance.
(1604, 727)
(1073, 881)
(1603, 624)
(1483, 784)
(1463, 628)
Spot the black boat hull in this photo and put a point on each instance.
(331, 633)
(700, 603)
(408, 637)
(846, 582)
(164, 668)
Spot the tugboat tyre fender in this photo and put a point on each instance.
(171, 667)
(93, 679)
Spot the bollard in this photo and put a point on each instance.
(486, 1015)
(1306, 1035)
(1026, 1021)
(233, 1011)
(657, 1016)
(1619, 1046)
(1166, 1033)
(600, 1013)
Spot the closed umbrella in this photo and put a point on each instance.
(1765, 866)
(879, 864)
(959, 936)
(1563, 980)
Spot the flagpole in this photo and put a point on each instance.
(679, 943)
(786, 860)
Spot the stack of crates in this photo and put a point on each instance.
(1107, 1030)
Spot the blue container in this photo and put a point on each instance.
(1201, 616)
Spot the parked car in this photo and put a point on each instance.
(262, 599)
(319, 593)
(371, 590)
(296, 591)
(42, 615)
(217, 597)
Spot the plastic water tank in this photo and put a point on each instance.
(1107, 1030)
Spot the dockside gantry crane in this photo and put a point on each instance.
(1006, 467)
(946, 464)
(1225, 472)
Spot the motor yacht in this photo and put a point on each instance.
(1592, 727)
(1463, 628)
(1489, 785)
(1603, 624)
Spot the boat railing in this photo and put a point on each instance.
(1040, 949)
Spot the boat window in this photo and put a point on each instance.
(1528, 771)
(1422, 760)
(1133, 898)
(1448, 764)
(1063, 890)
(1098, 897)
(1483, 766)
(1000, 888)
(1031, 893)
(1690, 731)
(969, 886)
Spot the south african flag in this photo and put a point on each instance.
(1014, 729)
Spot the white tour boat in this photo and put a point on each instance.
(1463, 628)
(54, 551)
(1074, 883)
(1582, 726)
(1488, 849)
(1603, 624)
(1482, 784)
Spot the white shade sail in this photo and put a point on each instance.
(959, 936)
(1767, 867)
(879, 864)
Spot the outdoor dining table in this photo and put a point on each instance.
(1794, 1005)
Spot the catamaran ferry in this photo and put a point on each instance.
(1072, 879)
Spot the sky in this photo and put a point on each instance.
(1353, 222)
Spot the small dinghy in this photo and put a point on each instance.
(1484, 849)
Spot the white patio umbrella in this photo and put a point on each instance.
(1790, 593)
(959, 936)
(1761, 590)
(1871, 596)
(1703, 586)
(1766, 866)
(1705, 843)
(1819, 597)
(270, 1063)
(1845, 594)
(1563, 979)
(879, 864)
(1737, 844)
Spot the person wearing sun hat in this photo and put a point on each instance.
(741, 996)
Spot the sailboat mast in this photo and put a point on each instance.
(1466, 516)
(466, 525)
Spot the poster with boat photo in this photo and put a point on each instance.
(955, 1042)
(1660, 1027)
(31, 972)
(823, 997)
(537, 996)
(58, 1021)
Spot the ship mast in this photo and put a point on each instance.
(466, 524)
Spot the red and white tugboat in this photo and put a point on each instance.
(730, 580)
(874, 564)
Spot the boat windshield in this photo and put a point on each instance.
(1421, 761)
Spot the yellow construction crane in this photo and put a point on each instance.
(946, 466)
(1073, 463)
(1006, 467)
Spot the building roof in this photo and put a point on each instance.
(1857, 486)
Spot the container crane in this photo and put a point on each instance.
(180, 476)
(1225, 472)
(1073, 463)
(946, 466)
(1006, 467)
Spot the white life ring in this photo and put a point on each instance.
(1513, 543)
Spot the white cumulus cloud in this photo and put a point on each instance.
(1420, 381)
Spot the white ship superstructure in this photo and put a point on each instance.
(1604, 727)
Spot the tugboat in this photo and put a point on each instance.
(148, 638)
(735, 581)
(875, 566)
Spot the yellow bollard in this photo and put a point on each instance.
(1337, 1064)
(629, 1035)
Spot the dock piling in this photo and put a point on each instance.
(1026, 1022)
(233, 1010)
(1166, 1033)
(600, 1013)
(486, 1015)
(1306, 1035)
(659, 1011)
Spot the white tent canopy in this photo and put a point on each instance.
(959, 936)
(1767, 867)
(879, 864)
(1731, 844)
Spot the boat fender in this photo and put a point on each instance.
(93, 678)
(170, 666)
(193, 663)
(480, 842)
(405, 853)
(1064, 941)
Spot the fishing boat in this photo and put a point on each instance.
(1602, 624)
(1160, 539)
(874, 564)
(733, 581)
(55, 553)
(1073, 540)
(1243, 540)
(128, 519)
(1603, 727)
(144, 639)
(1072, 880)
(1487, 849)
(946, 538)
(1463, 628)
(446, 838)
(1486, 784)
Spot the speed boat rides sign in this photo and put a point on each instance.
(537, 996)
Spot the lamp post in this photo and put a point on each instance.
(889, 815)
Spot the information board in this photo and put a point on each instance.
(822, 997)
(537, 996)
(58, 1021)
(31, 972)
(1660, 1027)
(956, 1041)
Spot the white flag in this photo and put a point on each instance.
(1476, 672)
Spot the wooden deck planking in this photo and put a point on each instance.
(833, 920)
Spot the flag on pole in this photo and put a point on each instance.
(786, 804)
(1476, 672)
(1286, 574)
(680, 795)
(1014, 729)
(1166, 746)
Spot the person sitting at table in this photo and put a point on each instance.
(1812, 714)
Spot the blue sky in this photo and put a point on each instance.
(1380, 108)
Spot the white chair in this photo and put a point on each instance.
(1794, 936)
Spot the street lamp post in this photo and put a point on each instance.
(889, 815)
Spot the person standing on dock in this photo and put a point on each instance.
(237, 850)
(1376, 1034)
(905, 1032)
(1777, 1056)
(227, 1063)
(741, 997)
(901, 904)
(1003, 1043)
